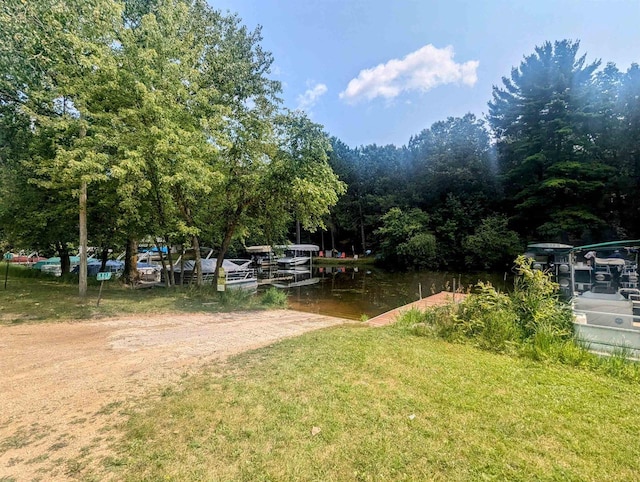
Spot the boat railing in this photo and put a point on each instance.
(240, 275)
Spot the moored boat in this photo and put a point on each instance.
(237, 272)
(606, 296)
(297, 254)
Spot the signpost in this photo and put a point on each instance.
(222, 279)
(102, 277)
(7, 257)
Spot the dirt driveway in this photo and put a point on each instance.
(65, 386)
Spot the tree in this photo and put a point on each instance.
(541, 119)
(46, 48)
(452, 157)
(405, 240)
(493, 245)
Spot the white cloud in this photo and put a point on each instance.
(307, 100)
(422, 70)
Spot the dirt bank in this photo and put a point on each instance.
(65, 386)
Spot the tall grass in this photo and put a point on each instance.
(531, 322)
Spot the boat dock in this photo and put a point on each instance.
(439, 299)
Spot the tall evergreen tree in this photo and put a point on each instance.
(540, 118)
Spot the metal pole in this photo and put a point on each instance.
(6, 274)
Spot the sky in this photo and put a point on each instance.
(381, 71)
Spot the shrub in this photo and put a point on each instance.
(531, 320)
(274, 298)
(537, 304)
(492, 245)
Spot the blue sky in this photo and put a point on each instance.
(376, 71)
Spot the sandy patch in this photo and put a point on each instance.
(65, 386)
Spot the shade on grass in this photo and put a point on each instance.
(46, 298)
(389, 406)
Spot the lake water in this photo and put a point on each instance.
(351, 292)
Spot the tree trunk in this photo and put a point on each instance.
(333, 241)
(364, 247)
(167, 282)
(182, 266)
(223, 250)
(83, 240)
(172, 275)
(82, 285)
(65, 263)
(198, 261)
(130, 274)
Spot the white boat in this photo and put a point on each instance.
(237, 272)
(297, 254)
(606, 296)
(262, 256)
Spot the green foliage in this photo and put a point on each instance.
(167, 110)
(404, 239)
(530, 319)
(543, 119)
(531, 322)
(493, 245)
(536, 303)
(274, 298)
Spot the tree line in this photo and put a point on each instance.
(164, 112)
(557, 159)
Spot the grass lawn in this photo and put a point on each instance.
(388, 405)
(46, 298)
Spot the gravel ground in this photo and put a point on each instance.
(65, 387)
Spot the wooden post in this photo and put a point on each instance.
(100, 294)
(6, 273)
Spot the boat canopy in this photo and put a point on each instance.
(283, 247)
(549, 246)
(299, 247)
(611, 244)
(259, 249)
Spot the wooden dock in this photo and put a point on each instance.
(439, 299)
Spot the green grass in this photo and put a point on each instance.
(40, 298)
(389, 406)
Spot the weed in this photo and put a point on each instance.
(531, 321)
(274, 298)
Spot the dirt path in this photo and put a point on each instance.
(65, 386)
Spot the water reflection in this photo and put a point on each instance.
(351, 292)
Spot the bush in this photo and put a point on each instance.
(531, 320)
(493, 245)
(274, 298)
